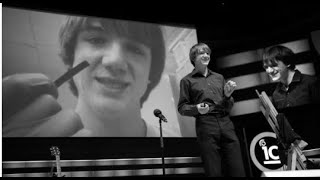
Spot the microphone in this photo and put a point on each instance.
(159, 114)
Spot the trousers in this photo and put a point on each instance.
(219, 147)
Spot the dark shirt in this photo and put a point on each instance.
(300, 104)
(195, 88)
(302, 90)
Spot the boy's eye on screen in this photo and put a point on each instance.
(96, 40)
(135, 48)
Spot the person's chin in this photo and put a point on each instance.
(108, 104)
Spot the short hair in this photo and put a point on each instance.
(195, 50)
(146, 33)
(278, 53)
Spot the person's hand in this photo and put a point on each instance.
(229, 87)
(203, 108)
(30, 108)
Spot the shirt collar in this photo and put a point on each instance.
(194, 72)
(296, 78)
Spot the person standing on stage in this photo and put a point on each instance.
(206, 95)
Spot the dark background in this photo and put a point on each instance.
(227, 26)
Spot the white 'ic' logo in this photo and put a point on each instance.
(268, 153)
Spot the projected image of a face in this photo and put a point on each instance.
(120, 54)
(127, 63)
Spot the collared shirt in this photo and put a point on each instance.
(302, 90)
(195, 88)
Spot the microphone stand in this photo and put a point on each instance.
(162, 147)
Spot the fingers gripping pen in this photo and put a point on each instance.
(44, 87)
(69, 74)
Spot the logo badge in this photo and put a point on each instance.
(264, 152)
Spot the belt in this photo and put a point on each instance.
(215, 114)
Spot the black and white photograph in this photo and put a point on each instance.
(157, 89)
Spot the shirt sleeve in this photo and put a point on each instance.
(185, 106)
(227, 102)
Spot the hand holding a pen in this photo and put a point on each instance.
(30, 107)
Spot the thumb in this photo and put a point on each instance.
(64, 124)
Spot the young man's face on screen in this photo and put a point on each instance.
(119, 68)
